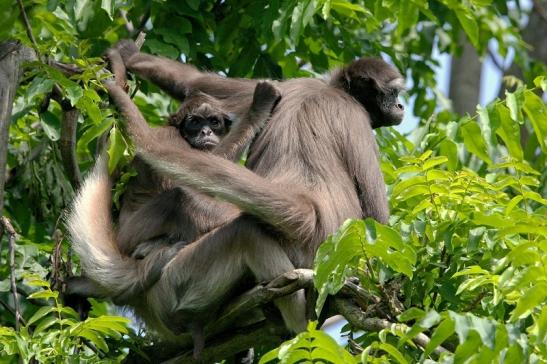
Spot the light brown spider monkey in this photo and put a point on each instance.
(312, 167)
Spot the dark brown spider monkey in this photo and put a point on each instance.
(313, 166)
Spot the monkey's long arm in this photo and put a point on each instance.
(364, 166)
(177, 78)
(265, 98)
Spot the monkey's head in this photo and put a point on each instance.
(376, 85)
(201, 121)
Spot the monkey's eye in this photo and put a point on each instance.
(214, 122)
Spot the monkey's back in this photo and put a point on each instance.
(303, 146)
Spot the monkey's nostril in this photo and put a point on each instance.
(400, 106)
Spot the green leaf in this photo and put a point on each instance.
(44, 294)
(435, 161)
(45, 324)
(93, 133)
(481, 3)
(301, 16)
(325, 10)
(515, 101)
(474, 142)
(541, 82)
(537, 113)
(469, 25)
(441, 333)
(42, 311)
(108, 6)
(470, 270)
(407, 16)
(116, 148)
(333, 258)
(176, 38)
(450, 150)
(406, 183)
(51, 125)
(91, 109)
(162, 48)
(392, 350)
(412, 313)
(511, 205)
(530, 300)
(509, 130)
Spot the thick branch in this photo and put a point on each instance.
(12, 54)
(281, 286)
(261, 334)
(68, 146)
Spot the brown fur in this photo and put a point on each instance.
(313, 166)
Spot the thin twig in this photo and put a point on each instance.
(28, 29)
(11, 244)
(12, 311)
(471, 306)
(354, 315)
(128, 23)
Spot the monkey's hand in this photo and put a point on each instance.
(117, 67)
(127, 48)
(265, 97)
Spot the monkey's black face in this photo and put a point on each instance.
(391, 110)
(376, 85)
(204, 133)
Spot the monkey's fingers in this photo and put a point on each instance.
(266, 94)
(127, 48)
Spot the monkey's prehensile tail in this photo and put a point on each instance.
(93, 237)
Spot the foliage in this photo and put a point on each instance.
(480, 233)
(54, 333)
(467, 238)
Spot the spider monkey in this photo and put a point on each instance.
(154, 210)
(313, 166)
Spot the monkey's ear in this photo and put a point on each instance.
(345, 78)
(176, 119)
(230, 119)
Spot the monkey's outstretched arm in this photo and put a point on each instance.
(176, 78)
(265, 97)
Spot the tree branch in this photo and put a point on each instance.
(12, 54)
(261, 334)
(281, 286)
(355, 316)
(28, 28)
(67, 143)
(11, 244)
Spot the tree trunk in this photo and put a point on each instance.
(12, 54)
(535, 35)
(465, 80)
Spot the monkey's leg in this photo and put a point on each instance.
(204, 272)
(173, 215)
